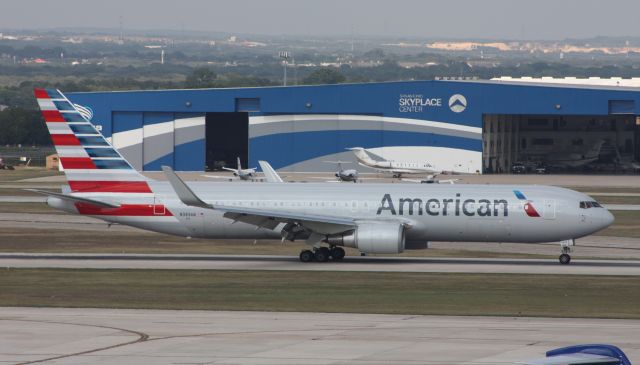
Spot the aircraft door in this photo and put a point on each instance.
(549, 209)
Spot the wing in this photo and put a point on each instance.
(322, 224)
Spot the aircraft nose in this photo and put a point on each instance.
(607, 218)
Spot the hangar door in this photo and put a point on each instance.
(149, 140)
(227, 138)
(561, 144)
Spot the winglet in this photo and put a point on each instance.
(583, 354)
(184, 192)
(269, 173)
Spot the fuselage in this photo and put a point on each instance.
(462, 212)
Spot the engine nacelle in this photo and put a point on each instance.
(372, 237)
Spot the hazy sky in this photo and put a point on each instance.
(512, 19)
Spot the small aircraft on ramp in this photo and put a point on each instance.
(372, 218)
(397, 168)
(239, 173)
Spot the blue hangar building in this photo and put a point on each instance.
(463, 126)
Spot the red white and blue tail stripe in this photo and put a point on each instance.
(89, 161)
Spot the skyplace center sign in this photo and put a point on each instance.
(417, 103)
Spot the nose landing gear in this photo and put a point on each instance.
(565, 258)
(566, 246)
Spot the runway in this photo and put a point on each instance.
(291, 263)
(104, 336)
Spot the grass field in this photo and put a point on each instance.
(25, 173)
(394, 293)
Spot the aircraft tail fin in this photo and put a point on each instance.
(362, 155)
(594, 151)
(239, 165)
(89, 161)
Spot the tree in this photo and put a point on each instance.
(325, 75)
(200, 78)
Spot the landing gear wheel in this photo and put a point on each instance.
(337, 253)
(306, 256)
(322, 254)
(564, 259)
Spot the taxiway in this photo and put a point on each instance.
(104, 336)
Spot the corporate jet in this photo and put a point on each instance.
(372, 218)
(240, 173)
(397, 168)
(348, 175)
(575, 159)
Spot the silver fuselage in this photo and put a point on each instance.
(462, 212)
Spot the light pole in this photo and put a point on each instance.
(285, 57)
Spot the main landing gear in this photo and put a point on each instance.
(566, 245)
(322, 254)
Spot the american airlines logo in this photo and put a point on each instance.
(85, 111)
(457, 103)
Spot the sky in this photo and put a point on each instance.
(491, 19)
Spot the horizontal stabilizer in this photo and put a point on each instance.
(75, 199)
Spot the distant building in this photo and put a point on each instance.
(458, 125)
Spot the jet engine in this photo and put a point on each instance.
(374, 237)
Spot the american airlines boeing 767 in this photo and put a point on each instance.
(373, 218)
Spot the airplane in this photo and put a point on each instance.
(240, 173)
(394, 167)
(270, 175)
(574, 159)
(372, 218)
(591, 354)
(343, 174)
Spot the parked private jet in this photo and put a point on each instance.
(396, 168)
(240, 173)
(372, 218)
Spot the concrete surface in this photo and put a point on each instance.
(272, 262)
(104, 336)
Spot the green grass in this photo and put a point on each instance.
(355, 292)
(26, 173)
(32, 208)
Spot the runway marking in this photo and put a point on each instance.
(142, 337)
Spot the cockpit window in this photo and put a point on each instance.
(589, 204)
